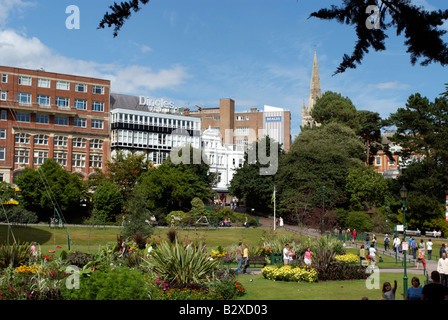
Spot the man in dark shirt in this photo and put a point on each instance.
(434, 290)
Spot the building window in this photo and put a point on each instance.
(41, 139)
(2, 133)
(61, 121)
(97, 124)
(95, 161)
(81, 87)
(23, 117)
(2, 153)
(62, 102)
(43, 83)
(78, 160)
(79, 143)
(24, 80)
(62, 85)
(377, 161)
(22, 138)
(4, 95)
(96, 144)
(60, 141)
(21, 156)
(60, 157)
(80, 122)
(98, 89)
(240, 118)
(24, 98)
(81, 104)
(43, 100)
(97, 106)
(40, 157)
(4, 115)
(242, 131)
(42, 118)
(4, 78)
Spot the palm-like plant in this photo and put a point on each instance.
(176, 264)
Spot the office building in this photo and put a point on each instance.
(150, 126)
(52, 115)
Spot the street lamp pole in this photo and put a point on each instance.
(323, 209)
(404, 195)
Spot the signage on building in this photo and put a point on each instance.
(274, 119)
(158, 105)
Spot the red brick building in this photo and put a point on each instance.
(50, 115)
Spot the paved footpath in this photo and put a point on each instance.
(411, 268)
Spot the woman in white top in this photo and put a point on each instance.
(372, 254)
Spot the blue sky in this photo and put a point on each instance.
(196, 52)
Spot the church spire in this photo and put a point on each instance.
(315, 92)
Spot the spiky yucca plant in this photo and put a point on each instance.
(176, 264)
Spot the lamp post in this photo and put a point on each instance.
(404, 195)
(387, 219)
(323, 209)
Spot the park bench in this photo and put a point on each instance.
(255, 260)
(432, 234)
(413, 232)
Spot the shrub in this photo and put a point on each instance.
(116, 283)
(14, 255)
(78, 258)
(176, 264)
(341, 271)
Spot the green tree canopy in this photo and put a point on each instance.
(422, 133)
(172, 187)
(366, 188)
(49, 187)
(254, 181)
(321, 156)
(107, 202)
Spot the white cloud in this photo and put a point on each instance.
(18, 50)
(392, 85)
(9, 6)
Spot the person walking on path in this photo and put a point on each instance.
(429, 245)
(372, 254)
(421, 258)
(396, 244)
(442, 269)
(239, 256)
(415, 291)
(413, 246)
(442, 250)
(386, 242)
(367, 241)
(362, 255)
(434, 290)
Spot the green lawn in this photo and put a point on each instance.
(89, 239)
(263, 289)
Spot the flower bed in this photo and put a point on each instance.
(288, 273)
(347, 258)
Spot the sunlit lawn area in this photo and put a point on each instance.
(263, 289)
(90, 239)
